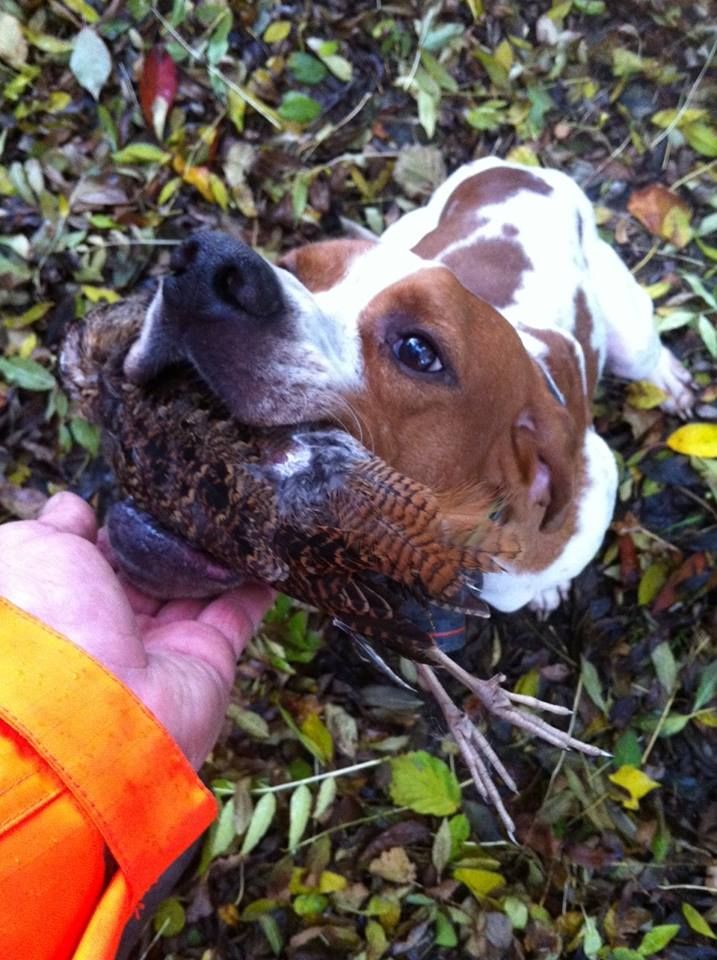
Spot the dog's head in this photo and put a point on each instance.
(390, 346)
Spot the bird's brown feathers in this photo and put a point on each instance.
(305, 508)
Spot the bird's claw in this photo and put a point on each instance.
(480, 758)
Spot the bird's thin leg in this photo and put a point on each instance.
(475, 749)
(501, 703)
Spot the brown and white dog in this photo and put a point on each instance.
(463, 347)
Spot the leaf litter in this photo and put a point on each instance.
(124, 126)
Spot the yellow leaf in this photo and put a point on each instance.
(95, 294)
(315, 731)
(479, 882)
(659, 289)
(706, 718)
(643, 395)
(476, 8)
(219, 191)
(88, 13)
(695, 440)
(504, 55)
(27, 346)
(330, 882)
(277, 31)
(697, 922)
(662, 212)
(651, 581)
(525, 155)
(676, 226)
(665, 118)
(527, 685)
(296, 883)
(635, 782)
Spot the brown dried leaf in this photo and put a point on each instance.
(394, 865)
(663, 213)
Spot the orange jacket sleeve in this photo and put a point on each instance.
(85, 770)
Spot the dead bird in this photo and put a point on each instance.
(207, 502)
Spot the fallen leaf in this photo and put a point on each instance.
(13, 46)
(657, 939)
(635, 782)
(424, 783)
(157, 88)
(663, 213)
(643, 395)
(299, 812)
(394, 865)
(479, 882)
(695, 440)
(697, 922)
(90, 61)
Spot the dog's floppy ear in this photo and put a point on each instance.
(546, 443)
(320, 266)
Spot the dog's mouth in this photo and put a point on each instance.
(160, 562)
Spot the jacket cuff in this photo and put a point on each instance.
(116, 759)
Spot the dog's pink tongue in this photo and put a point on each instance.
(161, 563)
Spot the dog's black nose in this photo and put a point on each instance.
(216, 277)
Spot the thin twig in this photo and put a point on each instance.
(690, 94)
(261, 108)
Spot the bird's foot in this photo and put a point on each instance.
(480, 758)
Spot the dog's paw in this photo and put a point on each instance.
(672, 377)
(547, 600)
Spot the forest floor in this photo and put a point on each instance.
(122, 128)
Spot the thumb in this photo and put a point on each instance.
(68, 513)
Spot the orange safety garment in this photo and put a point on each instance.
(84, 769)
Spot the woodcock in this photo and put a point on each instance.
(206, 503)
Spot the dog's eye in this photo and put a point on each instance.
(417, 353)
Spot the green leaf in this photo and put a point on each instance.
(26, 373)
(306, 69)
(298, 108)
(460, 831)
(707, 331)
(308, 904)
(90, 61)
(488, 116)
(299, 813)
(697, 922)
(325, 797)
(706, 687)
(591, 682)
(441, 849)
(657, 939)
(445, 934)
(270, 929)
(701, 137)
(516, 910)
(627, 751)
(260, 822)
(169, 918)
(220, 837)
(592, 941)
(86, 434)
(424, 783)
(665, 666)
(140, 153)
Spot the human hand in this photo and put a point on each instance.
(179, 657)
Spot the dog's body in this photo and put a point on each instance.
(400, 341)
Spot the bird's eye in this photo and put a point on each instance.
(417, 353)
